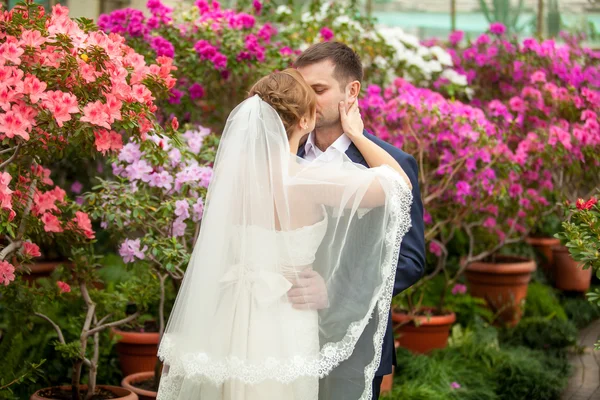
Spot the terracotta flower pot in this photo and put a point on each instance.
(129, 383)
(544, 246)
(502, 284)
(387, 383)
(40, 269)
(137, 351)
(428, 334)
(121, 393)
(568, 273)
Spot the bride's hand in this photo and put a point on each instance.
(309, 291)
(352, 122)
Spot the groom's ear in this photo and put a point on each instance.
(352, 91)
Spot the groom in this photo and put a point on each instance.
(334, 71)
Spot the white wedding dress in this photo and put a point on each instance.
(249, 333)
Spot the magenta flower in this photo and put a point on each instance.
(326, 34)
(455, 385)
(497, 28)
(459, 289)
(196, 91)
(455, 37)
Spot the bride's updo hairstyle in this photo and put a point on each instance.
(288, 93)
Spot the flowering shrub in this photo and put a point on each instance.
(218, 53)
(466, 170)
(67, 90)
(386, 53)
(65, 86)
(155, 204)
(581, 235)
(547, 95)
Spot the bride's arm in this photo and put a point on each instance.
(374, 155)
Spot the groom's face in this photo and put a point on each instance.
(329, 91)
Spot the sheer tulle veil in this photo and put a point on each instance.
(232, 333)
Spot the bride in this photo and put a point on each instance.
(233, 335)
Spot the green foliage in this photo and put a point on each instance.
(504, 12)
(542, 301)
(541, 333)
(580, 311)
(476, 367)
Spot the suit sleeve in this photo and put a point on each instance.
(411, 261)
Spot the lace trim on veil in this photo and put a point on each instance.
(199, 367)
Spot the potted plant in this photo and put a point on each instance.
(581, 235)
(70, 90)
(548, 94)
(154, 207)
(455, 149)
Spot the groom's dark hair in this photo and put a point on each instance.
(347, 63)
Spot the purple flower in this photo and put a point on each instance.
(455, 385)
(161, 179)
(138, 170)
(175, 157)
(196, 91)
(198, 209)
(182, 208)
(178, 227)
(76, 187)
(130, 250)
(130, 153)
(497, 28)
(206, 174)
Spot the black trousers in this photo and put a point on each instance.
(377, 387)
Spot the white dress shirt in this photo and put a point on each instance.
(312, 152)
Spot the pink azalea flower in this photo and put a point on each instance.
(84, 224)
(96, 114)
(51, 223)
(7, 273)
(63, 287)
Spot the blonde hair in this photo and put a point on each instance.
(289, 94)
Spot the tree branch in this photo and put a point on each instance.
(61, 338)
(5, 163)
(115, 323)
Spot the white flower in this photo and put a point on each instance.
(306, 17)
(283, 9)
(380, 62)
(454, 77)
(341, 20)
(442, 56)
(303, 46)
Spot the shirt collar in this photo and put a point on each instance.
(341, 144)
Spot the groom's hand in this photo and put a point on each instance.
(309, 291)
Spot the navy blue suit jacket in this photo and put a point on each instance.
(411, 262)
